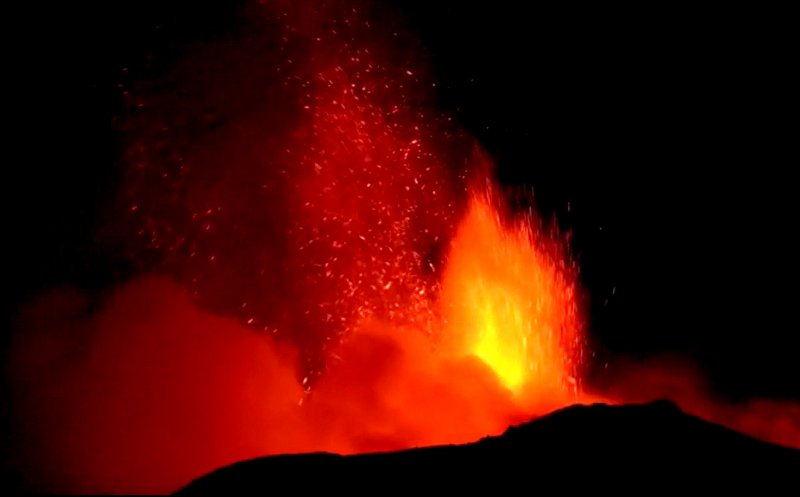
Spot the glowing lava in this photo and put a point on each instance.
(510, 299)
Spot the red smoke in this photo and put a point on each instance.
(681, 382)
(150, 392)
(321, 277)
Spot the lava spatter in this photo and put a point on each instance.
(511, 299)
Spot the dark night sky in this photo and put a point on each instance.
(666, 131)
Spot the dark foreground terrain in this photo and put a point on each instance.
(645, 447)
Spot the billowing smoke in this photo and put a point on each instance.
(149, 391)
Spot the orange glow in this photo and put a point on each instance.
(512, 303)
(502, 348)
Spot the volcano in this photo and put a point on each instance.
(653, 443)
(389, 230)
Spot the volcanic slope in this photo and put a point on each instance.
(597, 446)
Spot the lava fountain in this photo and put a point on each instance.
(313, 272)
(340, 196)
(510, 296)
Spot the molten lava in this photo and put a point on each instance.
(510, 299)
(499, 342)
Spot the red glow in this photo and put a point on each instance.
(323, 235)
(671, 378)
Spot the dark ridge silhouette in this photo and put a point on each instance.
(598, 446)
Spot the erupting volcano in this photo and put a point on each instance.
(368, 215)
(319, 260)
